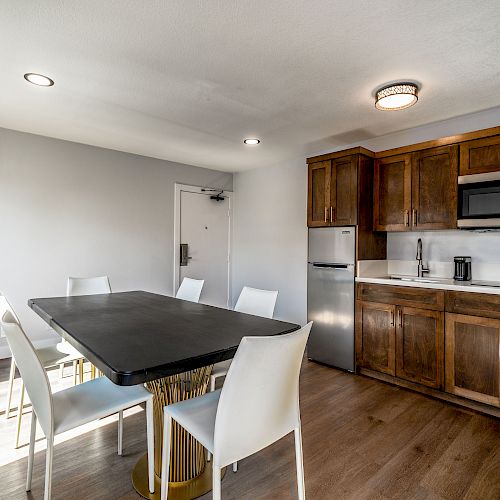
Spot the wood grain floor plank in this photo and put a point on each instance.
(453, 475)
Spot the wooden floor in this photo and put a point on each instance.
(363, 439)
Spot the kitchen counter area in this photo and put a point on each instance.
(492, 287)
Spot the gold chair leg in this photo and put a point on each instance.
(12, 376)
(92, 372)
(81, 371)
(74, 371)
(19, 414)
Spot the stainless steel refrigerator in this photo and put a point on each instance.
(330, 295)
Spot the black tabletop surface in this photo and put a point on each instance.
(135, 337)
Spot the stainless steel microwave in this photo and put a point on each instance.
(479, 201)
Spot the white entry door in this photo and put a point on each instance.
(205, 229)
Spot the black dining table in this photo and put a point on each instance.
(168, 344)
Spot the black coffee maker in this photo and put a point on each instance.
(463, 271)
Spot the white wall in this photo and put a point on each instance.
(270, 216)
(270, 233)
(67, 209)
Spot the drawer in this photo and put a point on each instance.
(473, 304)
(425, 298)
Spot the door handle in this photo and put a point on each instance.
(326, 214)
(407, 218)
(184, 257)
(414, 217)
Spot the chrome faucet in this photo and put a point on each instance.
(420, 268)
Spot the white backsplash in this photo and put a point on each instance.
(442, 246)
(438, 249)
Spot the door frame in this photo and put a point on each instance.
(177, 232)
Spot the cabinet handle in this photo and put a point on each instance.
(414, 217)
(326, 214)
(400, 318)
(331, 214)
(407, 218)
(392, 318)
(334, 215)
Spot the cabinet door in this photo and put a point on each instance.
(392, 193)
(472, 357)
(420, 346)
(343, 191)
(434, 188)
(481, 155)
(318, 203)
(375, 336)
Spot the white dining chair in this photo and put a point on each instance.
(190, 289)
(73, 407)
(87, 286)
(83, 286)
(251, 301)
(257, 406)
(50, 357)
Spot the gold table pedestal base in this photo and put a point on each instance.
(185, 490)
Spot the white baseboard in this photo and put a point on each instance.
(39, 344)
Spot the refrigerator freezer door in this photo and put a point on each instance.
(332, 244)
(330, 299)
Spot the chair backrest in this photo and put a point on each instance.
(31, 369)
(190, 289)
(4, 307)
(256, 302)
(88, 286)
(259, 402)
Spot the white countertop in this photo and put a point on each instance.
(438, 283)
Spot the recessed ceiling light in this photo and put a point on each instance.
(251, 142)
(396, 96)
(41, 80)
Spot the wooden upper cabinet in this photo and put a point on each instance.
(375, 336)
(318, 203)
(479, 156)
(420, 346)
(472, 362)
(434, 188)
(343, 191)
(392, 193)
(333, 196)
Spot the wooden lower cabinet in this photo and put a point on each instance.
(473, 357)
(419, 346)
(439, 342)
(375, 336)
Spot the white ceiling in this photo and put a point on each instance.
(188, 80)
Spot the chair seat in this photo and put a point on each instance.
(221, 368)
(93, 400)
(66, 348)
(52, 356)
(197, 416)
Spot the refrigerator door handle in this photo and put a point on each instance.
(331, 266)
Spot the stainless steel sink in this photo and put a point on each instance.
(415, 279)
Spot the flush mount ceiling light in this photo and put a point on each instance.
(251, 142)
(396, 96)
(40, 80)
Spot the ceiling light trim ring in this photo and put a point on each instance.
(251, 141)
(47, 82)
